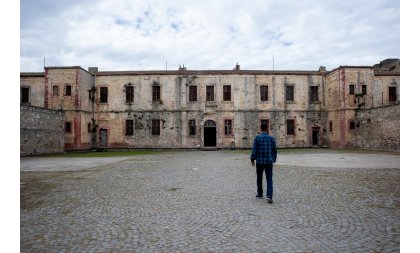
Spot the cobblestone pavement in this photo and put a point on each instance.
(199, 201)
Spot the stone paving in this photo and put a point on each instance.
(198, 201)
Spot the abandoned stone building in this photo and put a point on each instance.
(78, 109)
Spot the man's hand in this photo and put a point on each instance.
(252, 163)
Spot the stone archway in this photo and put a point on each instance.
(210, 136)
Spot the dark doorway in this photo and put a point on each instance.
(210, 134)
(315, 136)
(103, 137)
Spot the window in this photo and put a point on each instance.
(129, 94)
(191, 125)
(290, 96)
(226, 92)
(314, 94)
(89, 127)
(392, 94)
(156, 93)
(331, 126)
(267, 122)
(264, 92)
(55, 90)
(103, 94)
(24, 94)
(210, 93)
(228, 127)
(352, 125)
(290, 127)
(156, 127)
(351, 89)
(364, 89)
(67, 127)
(129, 127)
(192, 93)
(67, 91)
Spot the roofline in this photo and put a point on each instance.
(386, 73)
(350, 67)
(209, 72)
(67, 67)
(32, 74)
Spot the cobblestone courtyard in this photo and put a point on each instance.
(197, 201)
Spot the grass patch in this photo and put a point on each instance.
(285, 151)
(105, 153)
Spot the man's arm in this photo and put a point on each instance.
(254, 152)
(274, 150)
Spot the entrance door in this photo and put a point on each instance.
(315, 136)
(103, 137)
(210, 133)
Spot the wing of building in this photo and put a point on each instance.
(70, 108)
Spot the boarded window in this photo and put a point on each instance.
(129, 127)
(364, 89)
(156, 127)
(67, 127)
(313, 93)
(156, 93)
(24, 95)
(226, 92)
(267, 122)
(192, 93)
(192, 126)
(67, 90)
(129, 94)
(352, 125)
(228, 126)
(351, 89)
(392, 94)
(55, 90)
(103, 95)
(290, 96)
(210, 93)
(290, 127)
(264, 92)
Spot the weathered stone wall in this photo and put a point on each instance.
(41, 131)
(35, 82)
(378, 128)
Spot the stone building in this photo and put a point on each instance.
(219, 108)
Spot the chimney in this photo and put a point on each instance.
(322, 69)
(238, 67)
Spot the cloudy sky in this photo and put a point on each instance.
(153, 34)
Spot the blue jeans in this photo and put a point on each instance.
(268, 168)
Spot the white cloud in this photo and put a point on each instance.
(128, 35)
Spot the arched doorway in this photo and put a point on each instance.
(210, 133)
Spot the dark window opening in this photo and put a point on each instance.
(290, 96)
(264, 92)
(290, 127)
(392, 94)
(351, 89)
(228, 126)
(192, 93)
(156, 93)
(129, 127)
(156, 127)
(89, 127)
(24, 95)
(314, 94)
(364, 89)
(192, 127)
(67, 127)
(67, 91)
(267, 122)
(129, 94)
(226, 92)
(352, 125)
(55, 90)
(103, 95)
(210, 93)
(331, 126)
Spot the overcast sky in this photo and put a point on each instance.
(150, 34)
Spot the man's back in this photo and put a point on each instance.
(264, 149)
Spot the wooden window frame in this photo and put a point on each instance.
(227, 93)
(264, 93)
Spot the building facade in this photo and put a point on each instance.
(214, 108)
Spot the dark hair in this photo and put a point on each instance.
(264, 127)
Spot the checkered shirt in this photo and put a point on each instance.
(264, 149)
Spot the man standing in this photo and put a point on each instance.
(264, 151)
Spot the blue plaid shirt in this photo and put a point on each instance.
(264, 149)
